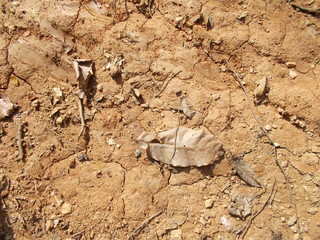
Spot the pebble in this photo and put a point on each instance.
(208, 203)
(313, 210)
(274, 126)
(283, 219)
(178, 19)
(292, 74)
(291, 64)
(176, 234)
(292, 220)
(294, 228)
(301, 124)
(268, 127)
(66, 208)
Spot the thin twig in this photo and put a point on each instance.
(175, 139)
(236, 76)
(19, 142)
(126, 7)
(83, 123)
(114, 11)
(258, 212)
(167, 82)
(144, 223)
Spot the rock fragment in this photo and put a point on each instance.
(66, 208)
(208, 203)
(313, 210)
(293, 74)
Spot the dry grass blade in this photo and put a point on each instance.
(143, 224)
(258, 212)
(236, 76)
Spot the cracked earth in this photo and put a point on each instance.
(97, 186)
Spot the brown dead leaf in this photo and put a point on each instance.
(245, 172)
(186, 109)
(182, 147)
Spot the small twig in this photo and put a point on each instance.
(236, 76)
(175, 139)
(167, 82)
(144, 223)
(315, 12)
(114, 11)
(258, 212)
(83, 123)
(126, 7)
(20, 142)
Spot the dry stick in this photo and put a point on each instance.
(83, 123)
(236, 76)
(143, 224)
(114, 10)
(175, 139)
(167, 82)
(19, 142)
(258, 212)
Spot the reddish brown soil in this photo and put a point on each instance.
(112, 191)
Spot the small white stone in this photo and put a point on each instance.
(66, 208)
(294, 228)
(292, 220)
(292, 74)
(274, 126)
(313, 210)
(283, 219)
(178, 19)
(208, 203)
(268, 127)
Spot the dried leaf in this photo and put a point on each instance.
(186, 109)
(182, 147)
(6, 107)
(241, 205)
(245, 172)
(84, 71)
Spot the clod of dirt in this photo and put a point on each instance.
(114, 64)
(182, 147)
(208, 203)
(6, 107)
(241, 205)
(245, 172)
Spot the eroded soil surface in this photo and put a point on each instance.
(98, 186)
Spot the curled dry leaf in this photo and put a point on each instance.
(84, 71)
(245, 172)
(6, 107)
(182, 147)
(186, 109)
(241, 205)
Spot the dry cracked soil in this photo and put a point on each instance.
(99, 185)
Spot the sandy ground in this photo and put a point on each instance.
(98, 186)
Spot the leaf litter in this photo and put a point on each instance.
(245, 172)
(182, 147)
